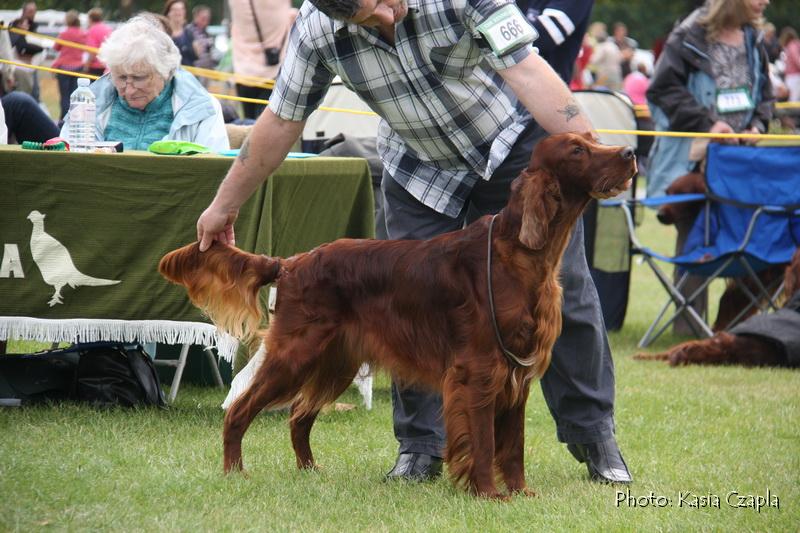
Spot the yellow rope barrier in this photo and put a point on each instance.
(704, 135)
(50, 69)
(644, 133)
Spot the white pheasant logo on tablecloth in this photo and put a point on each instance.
(55, 263)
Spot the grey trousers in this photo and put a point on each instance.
(579, 384)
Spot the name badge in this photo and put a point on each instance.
(733, 100)
(507, 29)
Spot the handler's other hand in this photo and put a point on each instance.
(216, 225)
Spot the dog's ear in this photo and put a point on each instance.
(540, 199)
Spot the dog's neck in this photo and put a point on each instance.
(509, 224)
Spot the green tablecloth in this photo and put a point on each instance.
(111, 217)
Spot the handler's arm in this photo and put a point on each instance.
(547, 98)
(262, 152)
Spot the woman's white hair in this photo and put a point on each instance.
(139, 41)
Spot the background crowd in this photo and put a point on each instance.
(254, 43)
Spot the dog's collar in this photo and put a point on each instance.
(512, 358)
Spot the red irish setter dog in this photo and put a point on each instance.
(729, 349)
(420, 309)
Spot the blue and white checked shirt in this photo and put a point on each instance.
(448, 116)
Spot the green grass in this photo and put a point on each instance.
(703, 430)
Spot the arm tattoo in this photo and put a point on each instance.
(244, 153)
(570, 111)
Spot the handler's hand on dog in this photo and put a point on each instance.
(216, 225)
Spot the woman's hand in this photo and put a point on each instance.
(721, 126)
(751, 141)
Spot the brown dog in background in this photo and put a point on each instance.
(420, 309)
(733, 300)
(729, 349)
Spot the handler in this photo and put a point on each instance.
(456, 83)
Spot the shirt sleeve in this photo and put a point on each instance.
(303, 78)
(478, 12)
(557, 21)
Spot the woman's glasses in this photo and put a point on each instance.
(138, 82)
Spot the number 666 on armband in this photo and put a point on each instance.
(507, 29)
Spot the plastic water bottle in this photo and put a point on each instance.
(82, 118)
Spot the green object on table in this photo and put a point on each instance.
(177, 148)
(56, 147)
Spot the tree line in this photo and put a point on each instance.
(647, 20)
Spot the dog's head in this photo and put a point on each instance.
(692, 182)
(574, 166)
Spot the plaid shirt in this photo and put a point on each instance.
(448, 118)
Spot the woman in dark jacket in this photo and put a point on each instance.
(711, 77)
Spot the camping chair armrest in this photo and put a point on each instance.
(670, 199)
(628, 204)
(780, 210)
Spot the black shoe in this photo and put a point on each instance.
(604, 461)
(415, 467)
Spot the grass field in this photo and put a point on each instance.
(711, 433)
(714, 433)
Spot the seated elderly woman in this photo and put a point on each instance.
(146, 97)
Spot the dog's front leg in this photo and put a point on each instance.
(481, 421)
(509, 428)
(468, 416)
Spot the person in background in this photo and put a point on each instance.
(712, 76)
(259, 37)
(561, 25)
(175, 11)
(636, 83)
(582, 76)
(203, 42)
(147, 97)
(440, 154)
(7, 77)
(26, 80)
(69, 58)
(791, 71)
(606, 61)
(627, 46)
(96, 35)
(25, 120)
(772, 42)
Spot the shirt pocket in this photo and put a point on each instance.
(457, 60)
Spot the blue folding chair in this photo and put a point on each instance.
(749, 222)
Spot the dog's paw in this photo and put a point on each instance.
(525, 491)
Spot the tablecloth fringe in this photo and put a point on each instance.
(92, 330)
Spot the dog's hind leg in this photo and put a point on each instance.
(276, 383)
(325, 382)
(269, 388)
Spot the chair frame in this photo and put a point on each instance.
(766, 297)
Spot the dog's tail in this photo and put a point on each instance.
(224, 282)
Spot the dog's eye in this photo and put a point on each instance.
(578, 150)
